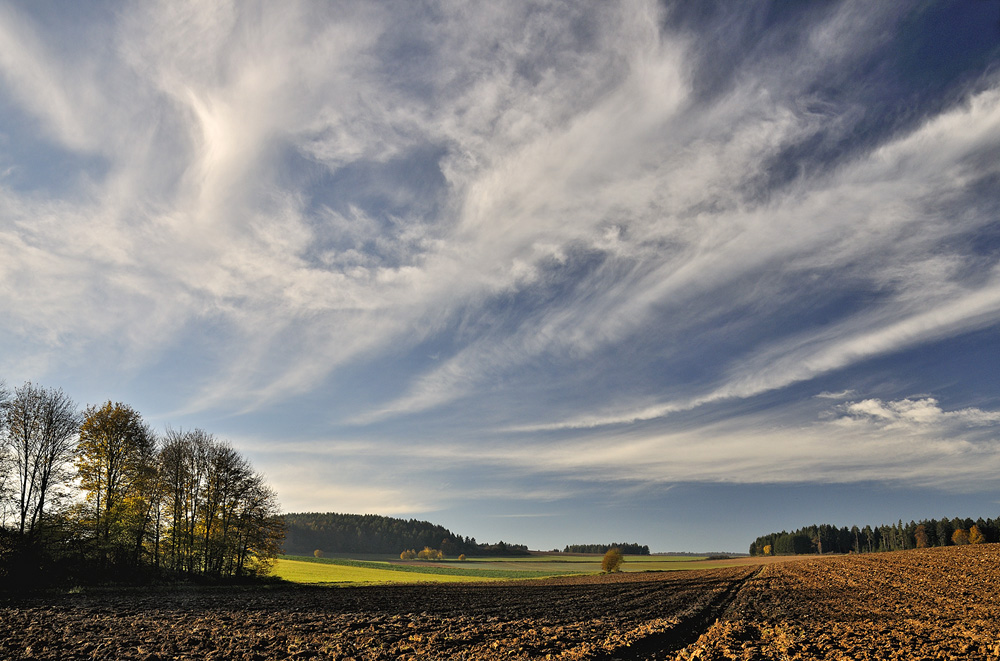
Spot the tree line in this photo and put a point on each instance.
(332, 532)
(98, 495)
(627, 548)
(927, 533)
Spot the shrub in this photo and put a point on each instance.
(317, 553)
(461, 558)
(612, 561)
(430, 554)
(408, 555)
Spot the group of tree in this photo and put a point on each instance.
(895, 537)
(97, 494)
(426, 554)
(625, 547)
(332, 532)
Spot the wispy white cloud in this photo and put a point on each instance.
(914, 443)
(59, 94)
(842, 395)
(904, 442)
(883, 235)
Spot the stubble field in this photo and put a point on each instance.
(923, 604)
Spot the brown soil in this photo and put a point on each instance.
(934, 604)
(941, 603)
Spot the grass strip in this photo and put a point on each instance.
(510, 574)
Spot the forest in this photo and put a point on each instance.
(628, 548)
(927, 533)
(97, 495)
(330, 532)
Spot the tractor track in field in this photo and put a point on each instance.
(665, 645)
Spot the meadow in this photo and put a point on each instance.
(380, 570)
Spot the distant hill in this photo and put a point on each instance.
(331, 533)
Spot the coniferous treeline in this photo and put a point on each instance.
(331, 532)
(900, 536)
(98, 495)
(627, 548)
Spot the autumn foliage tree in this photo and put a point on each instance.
(115, 468)
(430, 554)
(612, 561)
(976, 536)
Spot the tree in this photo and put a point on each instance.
(921, 537)
(6, 465)
(944, 531)
(767, 549)
(182, 467)
(612, 561)
(232, 491)
(975, 536)
(259, 531)
(792, 544)
(960, 537)
(116, 470)
(430, 554)
(217, 516)
(41, 427)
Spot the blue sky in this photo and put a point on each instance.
(680, 273)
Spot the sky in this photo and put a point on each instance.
(678, 273)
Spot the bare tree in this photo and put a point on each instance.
(41, 429)
(183, 466)
(216, 515)
(6, 465)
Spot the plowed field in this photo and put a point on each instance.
(941, 603)
(935, 604)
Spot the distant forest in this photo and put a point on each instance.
(627, 548)
(900, 536)
(330, 532)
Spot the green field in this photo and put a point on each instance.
(373, 570)
(315, 573)
(567, 563)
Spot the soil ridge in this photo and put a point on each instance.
(664, 644)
